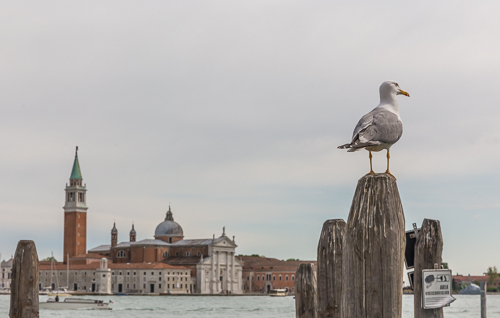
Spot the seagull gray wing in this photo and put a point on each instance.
(375, 128)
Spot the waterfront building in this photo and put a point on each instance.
(168, 263)
(104, 278)
(6, 273)
(212, 263)
(462, 280)
(261, 274)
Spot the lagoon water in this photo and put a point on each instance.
(466, 306)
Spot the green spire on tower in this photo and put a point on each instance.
(76, 174)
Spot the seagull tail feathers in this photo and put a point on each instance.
(351, 147)
(346, 146)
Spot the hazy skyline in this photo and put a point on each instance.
(231, 112)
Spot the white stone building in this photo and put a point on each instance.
(106, 278)
(221, 271)
(6, 273)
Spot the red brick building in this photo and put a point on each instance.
(75, 214)
(466, 280)
(261, 274)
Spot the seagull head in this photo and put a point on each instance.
(389, 88)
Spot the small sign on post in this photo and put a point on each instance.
(436, 288)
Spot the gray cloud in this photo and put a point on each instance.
(232, 112)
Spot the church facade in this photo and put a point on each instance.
(166, 263)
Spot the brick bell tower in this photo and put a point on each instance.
(75, 214)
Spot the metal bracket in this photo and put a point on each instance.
(415, 229)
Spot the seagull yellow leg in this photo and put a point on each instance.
(370, 156)
(388, 157)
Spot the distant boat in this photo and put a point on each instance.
(62, 292)
(74, 303)
(44, 291)
(278, 292)
(471, 289)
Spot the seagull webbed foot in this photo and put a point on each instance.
(369, 173)
(389, 173)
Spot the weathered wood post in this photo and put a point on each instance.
(24, 286)
(330, 269)
(484, 288)
(305, 292)
(373, 250)
(428, 251)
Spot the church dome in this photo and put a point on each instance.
(169, 227)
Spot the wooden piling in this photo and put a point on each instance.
(24, 283)
(329, 286)
(484, 288)
(373, 250)
(305, 292)
(428, 251)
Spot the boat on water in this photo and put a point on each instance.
(74, 303)
(44, 291)
(4, 290)
(63, 292)
(278, 292)
(471, 289)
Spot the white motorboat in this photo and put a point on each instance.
(278, 292)
(62, 292)
(74, 303)
(44, 291)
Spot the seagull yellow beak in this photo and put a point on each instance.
(402, 92)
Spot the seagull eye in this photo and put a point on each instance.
(396, 84)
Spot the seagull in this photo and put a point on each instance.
(380, 128)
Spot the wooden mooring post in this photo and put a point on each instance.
(373, 250)
(306, 304)
(329, 269)
(428, 253)
(484, 288)
(24, 283)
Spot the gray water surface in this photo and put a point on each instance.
(466, 306)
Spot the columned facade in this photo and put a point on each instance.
(221, 271)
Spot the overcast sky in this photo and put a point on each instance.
(231, 111)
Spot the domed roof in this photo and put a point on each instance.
(169, 227)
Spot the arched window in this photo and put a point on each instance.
(166, 255)
(187, 254)
(121, 254)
